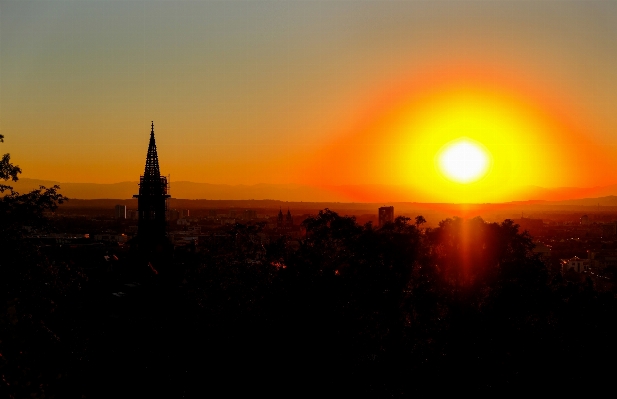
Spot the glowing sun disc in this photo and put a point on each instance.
(463, 160)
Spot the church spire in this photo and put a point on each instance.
(152, 170)
(152, 197)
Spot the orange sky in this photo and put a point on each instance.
(317, 93)
(534, 135)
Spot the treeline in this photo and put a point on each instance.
(348, 309)
(404, 309)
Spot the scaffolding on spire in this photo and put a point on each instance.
(152, 198)
(152, 159)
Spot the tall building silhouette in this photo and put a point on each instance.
(151, 201)
(386, 214)
(120, 211)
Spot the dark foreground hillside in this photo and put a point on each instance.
(350, 309)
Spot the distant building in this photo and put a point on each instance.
(132, 214)
(284, 221)
(172, 214)
(120, 211)
(585, 220)
(386, 214)
(285, 226)
(249, 214)
(577, 264)
(609, 229)
(175, 214)
(183, 222)
(602, 259)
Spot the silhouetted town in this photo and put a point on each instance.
(140, 298)
(576, 245)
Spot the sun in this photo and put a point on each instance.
(463, 160)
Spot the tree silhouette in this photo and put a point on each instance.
(30, 285)
(8, 171)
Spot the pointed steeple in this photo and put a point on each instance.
(279, 218)
(152, 170)
(151, 200)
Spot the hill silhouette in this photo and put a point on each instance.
(583, 196)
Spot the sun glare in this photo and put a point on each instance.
(463, 160)
(462, 141)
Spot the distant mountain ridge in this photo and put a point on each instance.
(604, 196)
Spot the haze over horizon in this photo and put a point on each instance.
(456, 101)
(304, 193)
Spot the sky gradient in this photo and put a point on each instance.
(312, 92)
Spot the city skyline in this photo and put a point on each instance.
(314, 94)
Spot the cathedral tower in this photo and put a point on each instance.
(152, 200)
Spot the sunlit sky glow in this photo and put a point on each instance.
(463, 160)
(313, 92)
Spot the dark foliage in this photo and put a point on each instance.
(349, 309)
(8, 171)
(31, 288)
